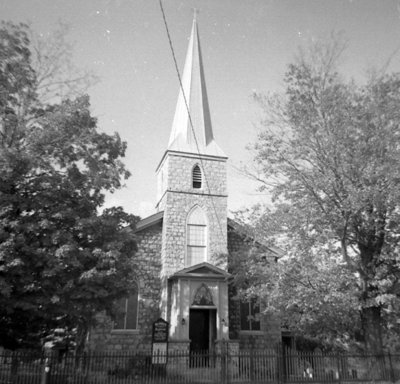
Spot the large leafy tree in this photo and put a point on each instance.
(60, 260)
(308, 286)
(328, 152)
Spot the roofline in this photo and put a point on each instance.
(190, 155)
(149, 221)
(278, 252)
(158, 217)
(185, 272)
(202, 276)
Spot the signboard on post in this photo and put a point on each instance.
(160, 342)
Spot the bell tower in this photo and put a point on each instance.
(192, 194)
(192, 175)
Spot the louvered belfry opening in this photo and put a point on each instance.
(196, 177)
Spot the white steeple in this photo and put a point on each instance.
(194, 134)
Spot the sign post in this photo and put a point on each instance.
(160, 342)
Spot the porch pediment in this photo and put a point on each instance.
(203, 271)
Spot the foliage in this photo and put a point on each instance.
(17, 81)
(309, 286)
(328, 152)
(60, 260)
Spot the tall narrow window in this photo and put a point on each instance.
(250, 315)
(127, 312)
(196, 237)
(196, 177)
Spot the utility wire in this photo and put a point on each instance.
(189, 115)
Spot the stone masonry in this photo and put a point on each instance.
(270, 331)
(148, 266)
(178, 198)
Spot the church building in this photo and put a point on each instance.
(184, 249)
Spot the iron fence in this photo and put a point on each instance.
(244, 367)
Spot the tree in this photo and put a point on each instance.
(17, 81)
(308, 286)
(329, 152)
(61, 261)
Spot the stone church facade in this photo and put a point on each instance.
(184, 249)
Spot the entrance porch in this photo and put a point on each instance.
(197, 309)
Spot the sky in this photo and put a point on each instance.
(246, 47)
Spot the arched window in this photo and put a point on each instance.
(127, 311)
(196, 177)
(196, 237)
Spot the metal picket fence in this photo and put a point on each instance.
(251, 366)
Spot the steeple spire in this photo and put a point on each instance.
(195, 13)
(192, 132)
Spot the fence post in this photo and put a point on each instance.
(14, 366)
(252, 365)
(224, 370)
(339, 366)
(45, 371)
(392, 378)
(280, 363)
(86, 365)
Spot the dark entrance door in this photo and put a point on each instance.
(202, 330)
(199, 330)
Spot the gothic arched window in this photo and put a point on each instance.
(203, 296)
(127, 311)
(196, 177)
(196, 237)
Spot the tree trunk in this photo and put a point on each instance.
(371, 323)
(81, 336)
(371, 316)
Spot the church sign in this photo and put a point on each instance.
(160, 341)
(160, 331)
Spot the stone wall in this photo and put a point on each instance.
(270, 328)
(175, 174)
(268, 338)
(148, 262)
(237, 243)
(180, 198)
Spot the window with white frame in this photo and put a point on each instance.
(196, 237)
(250, 315)
(127, 311)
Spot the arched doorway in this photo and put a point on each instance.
(202, 326)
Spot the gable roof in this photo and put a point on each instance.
(149, 221)
(242, 231)
(203, 270)
(158, 217)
